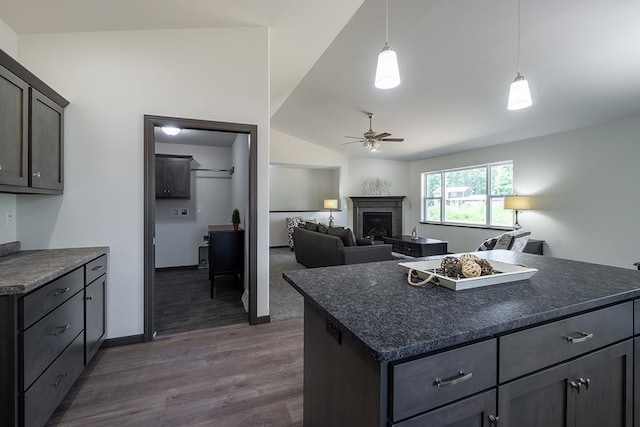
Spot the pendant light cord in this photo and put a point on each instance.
(387, 20)
(518, 36)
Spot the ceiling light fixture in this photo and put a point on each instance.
(519, 93)
(170, 130)
(387, 71)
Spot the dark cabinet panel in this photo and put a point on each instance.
(46, 148)
(476, 411)
(94, 309)
(226, 253)
(173, 177)
(14, 107)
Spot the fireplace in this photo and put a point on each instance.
(377, 224)
(389, 207)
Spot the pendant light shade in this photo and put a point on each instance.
(519, 94)
(387, 71)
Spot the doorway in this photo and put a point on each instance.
(150, 124)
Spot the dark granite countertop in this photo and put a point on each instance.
(25, 271)
(389, 320)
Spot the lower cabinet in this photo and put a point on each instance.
(592, 390)
(94, 312)
(475, 411)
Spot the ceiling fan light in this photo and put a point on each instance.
(387, 71)
(519, 94)
(170, 130)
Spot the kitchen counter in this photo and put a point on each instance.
(24, 271)
(385, 319)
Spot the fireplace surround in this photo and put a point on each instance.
(377, 204)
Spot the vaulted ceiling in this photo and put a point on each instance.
(457, 59)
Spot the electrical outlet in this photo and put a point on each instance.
(184, 212)
(11, 218)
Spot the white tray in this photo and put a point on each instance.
(504, 273)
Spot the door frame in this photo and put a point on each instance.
(150, 122)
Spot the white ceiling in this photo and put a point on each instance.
(197, 137)
(457, 58)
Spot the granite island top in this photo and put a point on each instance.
(388, 320)
(24, 271)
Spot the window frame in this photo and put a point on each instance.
(441, 200)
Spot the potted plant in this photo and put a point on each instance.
(235, 219)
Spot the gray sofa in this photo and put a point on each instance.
(316, 249)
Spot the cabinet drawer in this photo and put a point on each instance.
(45, 340)
(42, 301)
(423, 384)
(95, 269)
(532, 349)
(47, 392)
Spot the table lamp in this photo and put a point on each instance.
(331, 204)
(517, 203)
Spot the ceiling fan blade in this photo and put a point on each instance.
(357, 137)
(392, 139)
(382, 135)
(352, 142)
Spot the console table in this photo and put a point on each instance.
(226, 253)
(534, 247)
(418, 247)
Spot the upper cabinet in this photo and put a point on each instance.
(31, 131)
(173, 176)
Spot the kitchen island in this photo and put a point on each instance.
(381, 352)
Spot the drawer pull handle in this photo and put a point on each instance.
(461, 376)
(90, 297)
(36, 174)
(494, 420)
(97, 267)
(59, 379)
(582, 338)
(61, 330)
(61, 291)
(575, 385)
(585, 382)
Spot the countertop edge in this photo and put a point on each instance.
(75, 257)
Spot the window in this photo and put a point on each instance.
(470, 196)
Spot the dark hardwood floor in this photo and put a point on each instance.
(237, 375)
(182, 301)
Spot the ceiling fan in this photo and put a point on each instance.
(370, 139)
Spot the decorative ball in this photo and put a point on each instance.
(485, 266)
(450, 266)
(464, 258)
(471, 269)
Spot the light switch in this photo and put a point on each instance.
(175, 212)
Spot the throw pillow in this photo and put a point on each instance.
(488, 244)
(343, 233)
(311, 226)
(520, 241)
(322, 228)
(364, 242)
(292, 223)
(503, 241)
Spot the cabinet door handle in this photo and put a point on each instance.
(59, 379)
(575, 385)
(582, 338)
(36, 174)
(585, 382)
(90, 297)
(458, 378)
(494, 420)
(62, 329)
(97, 267)
(61, 291)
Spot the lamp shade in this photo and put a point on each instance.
(519, 203)
(387, 71)
(330, 203)
(519, 94)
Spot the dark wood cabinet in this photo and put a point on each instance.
(226, 253)
(46, 143)
(475, 411)
(173, 176)
(14, 107)
(593, 390)
(534, 246)
(418, 247)
(31, 130)
(47, 337)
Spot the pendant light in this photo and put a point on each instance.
(387, 71)
(519, 93)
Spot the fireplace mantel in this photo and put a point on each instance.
(391, 204)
